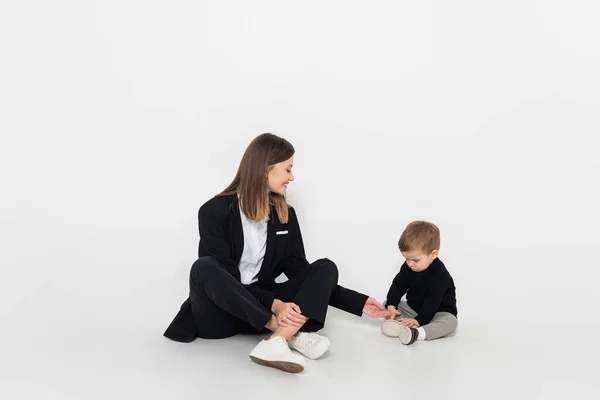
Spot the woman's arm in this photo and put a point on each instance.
(212, 222)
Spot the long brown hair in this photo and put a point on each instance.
(250, 182)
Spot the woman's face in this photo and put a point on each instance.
(280, 175)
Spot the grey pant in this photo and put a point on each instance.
(442, 324)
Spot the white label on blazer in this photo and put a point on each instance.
(281, 232)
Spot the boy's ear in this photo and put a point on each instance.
(434, 253)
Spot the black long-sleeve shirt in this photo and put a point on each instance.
(427, 292)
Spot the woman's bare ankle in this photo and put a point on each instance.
(272, 325)
(285, 332)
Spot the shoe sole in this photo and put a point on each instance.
(405, 335)
(282, 365)
(391, 328)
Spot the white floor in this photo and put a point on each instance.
(79, 352)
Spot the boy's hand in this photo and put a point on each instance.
(410, 322)
(392, 312)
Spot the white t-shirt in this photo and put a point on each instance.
(255, 244)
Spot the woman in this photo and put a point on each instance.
(249, 235)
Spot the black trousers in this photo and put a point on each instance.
(223, 307)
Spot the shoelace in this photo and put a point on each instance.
(306, 339)
(283, 344)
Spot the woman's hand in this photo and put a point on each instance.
(288, 314)
(374, 309)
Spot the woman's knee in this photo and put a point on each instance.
(204, 268)
(328, 267)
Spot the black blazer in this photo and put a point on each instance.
(222, 237)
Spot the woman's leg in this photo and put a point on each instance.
(311, 291)
(285, 332)
(221, 306)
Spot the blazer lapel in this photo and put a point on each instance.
(266, 268)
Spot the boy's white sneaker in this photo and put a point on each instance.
(391, 328)
(310, 344)
(275, 353)
(394, 328)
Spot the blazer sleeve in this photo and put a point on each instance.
(348, 300)
(212, 223)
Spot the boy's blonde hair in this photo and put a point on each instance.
(420, 235)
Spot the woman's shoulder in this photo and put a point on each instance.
(292, 216)
(218, 204)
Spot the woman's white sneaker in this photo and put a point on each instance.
(275, 353)
(310, 344)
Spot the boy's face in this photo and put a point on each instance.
(417, 260)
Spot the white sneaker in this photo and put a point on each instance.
(310, 344)
(275, 353)
(395, 329)
(392, 328)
